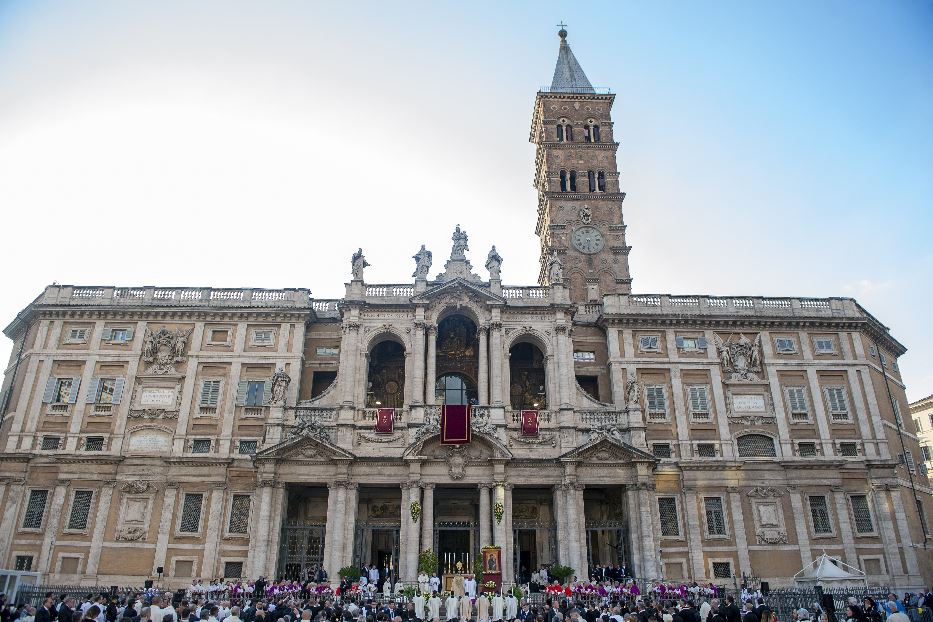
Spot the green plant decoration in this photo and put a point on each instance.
(415, 511)
(427, 562)
(498, 510)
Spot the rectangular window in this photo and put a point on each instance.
(255, 392)
(848, 450)
(907, 458)
(649, 343)
(191, 513)
(919, 423)
(897, 411)
(263, 337)
(23, 562)
(220, 335)
(715, 517)
(698, 398)
(118, 335)
(706, 450)
(94, 443)
(239, 514)
(327, 351)
(76, 335)
(862, 514)
(785, 345)
(691, 343)
(105, 390)
(35, 509)
(722, 570)
(806, 450)
(62, 392)
(51, 443)
(80, 509)
(247, 447)
(667, 510)
(925, 452)
(797, 402)
(824, 345)
(233, 570)
(656, 401)
(201, 446)
(836, 398)
(661, 450)
(210, 392)
(884, 360)
(584, 357)
(819, 512)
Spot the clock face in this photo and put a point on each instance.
(587, 240)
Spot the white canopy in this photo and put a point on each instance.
(830, 571)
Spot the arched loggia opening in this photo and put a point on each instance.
(527, 377)
(457, 361)
(386, 376)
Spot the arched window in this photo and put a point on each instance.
(591, 180)
(595, 133)
(527, 377)
(756, 446)
(587, 133)
(386, 376)
(454, 389)
(563, 181)
(568, 131)
(601, 181)
(560, 133)
(573, 181)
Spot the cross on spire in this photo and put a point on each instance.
(562, 24)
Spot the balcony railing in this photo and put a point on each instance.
(188, 296)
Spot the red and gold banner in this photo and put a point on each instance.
(385, 420)
(455, 424)
(529, 423)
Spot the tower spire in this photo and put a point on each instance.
(568, 74)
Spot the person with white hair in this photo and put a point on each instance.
(895, 614)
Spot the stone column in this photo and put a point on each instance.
(694, 543)
(485, 516)
(582, 544)
(418, 363)
(573, 528)
(431, 377)
(483, 365)
(411, 552)
(617, 378)
(495, 361)
(427, 518)
(738, 526)
(635, 516)
(280, 498)
(105, 498)
(258, 554)
(331, 532)
(649, 544)
(165, 526)
(401, 565)
(351, 507)
(53, 526)
(560, 517)
(214, 528)
(508, 552)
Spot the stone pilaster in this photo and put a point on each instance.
(573, 528)
(801, 510)
(845, 526)
(349, 358)
(214, 528)
(905, 541)
(418, 363)
(694, 543)
(431, 374)
(165, 525)
(427, 517)
(560, 517)
(351, 505)
(738, 527)
(495, 362)
(53, 526)
(330, 531)
(259, 545)
(337, 528)
(822, 423)
(483, 365)
(278, 510)
(649, 538)
(564, 365)
(508, 558)
(498, 526)
(412, 549)
(15, 493)
(104, 500)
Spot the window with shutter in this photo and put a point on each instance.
(254, 392)
(925, 452)
(210, 392)
(93, 390)
(62, 393)
(836, 399)
(76, 335)
(897, 411)
(263, 337)
(80, 510)
(106, 389)
(819, 513)
(656, 401)
(715, 517)
(649, 343)
(239, 514)
(35, 509)
(824, 345)
(861, 512)
(191, 513)
(667, 510)
(797, 403)
(699, 402)
(119, 385)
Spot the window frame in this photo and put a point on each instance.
(45, 509)
(680, 531)
(229, 517)
(793, 345)
(210, 445)
(654, 452)
(820, 351)
(87, 440)
(726, 534)
(837, 415)
(71, 510)
(71, 339)
(239, 446)
(699, 416)
(181, 515)
(829, 517)
(665, 414)
(262, 344)
(871, 515)
(216, 329)
(657, 341)
(788, 390)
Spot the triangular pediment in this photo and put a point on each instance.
(605, 449)
(457, 286)
(309, 445)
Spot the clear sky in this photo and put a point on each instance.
(781, 148)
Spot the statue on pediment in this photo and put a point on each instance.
(357, 263)
(461, 245)
(422, 263)
(493, 263)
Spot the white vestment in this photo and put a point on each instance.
(497, 607)
(451, 607)
(434, 608)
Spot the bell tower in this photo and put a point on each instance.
(577, 178)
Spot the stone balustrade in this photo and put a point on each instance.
(539, 294)
(390, 291)
(368, 415)
(652, 304)
(174, 296)
(515, 416)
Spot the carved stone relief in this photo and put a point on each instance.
(163, 348)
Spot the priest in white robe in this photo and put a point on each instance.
(466, 609)
(498, 608)
(451, 607)
(511, 606)
(434, 608)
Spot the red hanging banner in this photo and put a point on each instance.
(455, 424)
(529, 423)
(385, 420)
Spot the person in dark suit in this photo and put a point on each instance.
(525, 614)
(66, 609)
(731, 611)
(750, 615)
(46, 613)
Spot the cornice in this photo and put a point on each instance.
(174, 314)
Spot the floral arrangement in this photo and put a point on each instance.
(498, 511)
(490, 585)
(415, 511)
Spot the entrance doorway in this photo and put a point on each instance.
(454, 543)
(378, 544)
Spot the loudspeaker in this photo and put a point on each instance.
(160, 570)
(765, 588)
(148, 584)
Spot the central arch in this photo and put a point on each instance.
(457, 368)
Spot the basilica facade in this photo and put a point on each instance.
(174, 433)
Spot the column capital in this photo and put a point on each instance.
(269, 482)
(430, 328)
(428, 486)
(495, 325)
(482, 329)
(484, 485)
